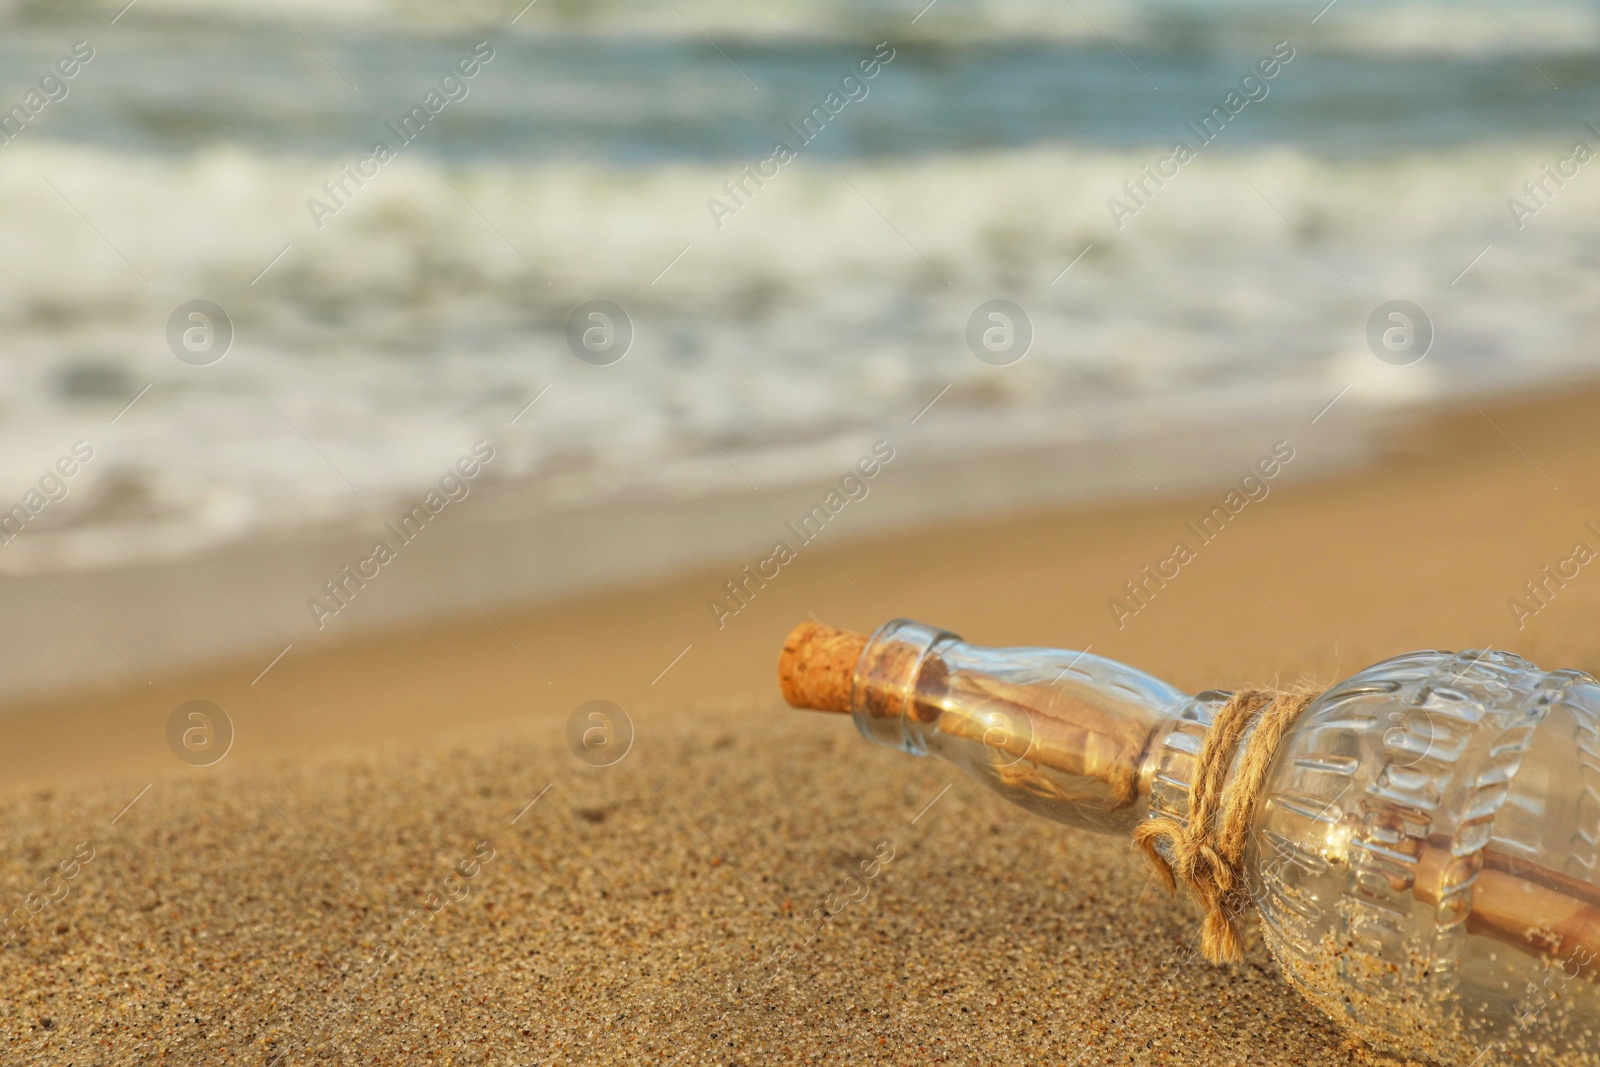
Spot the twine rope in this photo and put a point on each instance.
(1205, 851)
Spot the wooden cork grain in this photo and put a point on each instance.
(817, 665)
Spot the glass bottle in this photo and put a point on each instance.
(1424, 857)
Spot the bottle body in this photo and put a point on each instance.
(1424, 854)
(1424, 858)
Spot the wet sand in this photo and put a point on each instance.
(646, 911)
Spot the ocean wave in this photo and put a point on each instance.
(1396, 26)
(432, 309)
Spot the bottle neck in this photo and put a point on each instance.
(1068, 735)
(1173, 759)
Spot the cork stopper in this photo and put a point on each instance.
(817, 665)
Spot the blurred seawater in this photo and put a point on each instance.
(428, 312)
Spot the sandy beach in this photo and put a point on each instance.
(638, 912)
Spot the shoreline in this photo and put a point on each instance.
(509, 546)
(1289, 588)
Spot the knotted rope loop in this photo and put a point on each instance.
(1206, 851)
